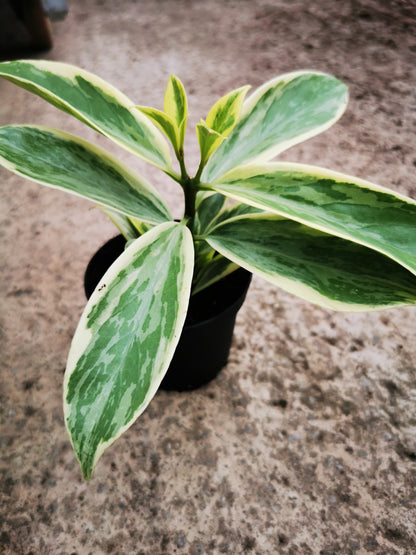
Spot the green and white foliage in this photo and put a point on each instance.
(93, 101)
(332, 239)
(69, 163)
(126, 339)
(283, 112)
(172, 120)
(322, 268)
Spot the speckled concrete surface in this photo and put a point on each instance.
(306, 442)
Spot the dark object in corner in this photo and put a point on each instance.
(25, 25)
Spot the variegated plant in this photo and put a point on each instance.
(330, 238)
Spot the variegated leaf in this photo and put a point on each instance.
(321, 268)
(204, 253)
(93, 101)
(130, 228)
(141, 227)
(208, 140)
(214, 270)
(165, 123)
(235, 210)
(63, 161)
(224, 114)
(209, 209)
(126, 339)
(332, 202)
(175, 103)
(123, 223)
(182, 130)
(285, 111)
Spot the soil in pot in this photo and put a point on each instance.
(205, 341)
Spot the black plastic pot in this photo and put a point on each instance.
(205, 342)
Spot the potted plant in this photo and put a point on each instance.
(335, 240)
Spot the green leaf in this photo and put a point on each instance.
(329, 271)
(122, 222)
(204, 253)
(165, 123)
(208, 140)
(332, 202)
(175, 103)
(63, 161)
(130, 228)
(235, 210)
(93, 101)
(209, 209)
(283, 112)
(209, 265)
(182, 129)
(214, 270)
(224, 114)
(126, 339)
(141, 227)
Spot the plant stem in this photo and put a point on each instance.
(190, 197)
(181, 159)
(190, 189)
(199, 172)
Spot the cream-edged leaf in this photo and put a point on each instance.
(208, 140)
(333, 202)
(224, 114)
(175, 103)
(126, 339)
(63, 161)
(165, 124)
(93, 101)
(321, 268)
(283, 112)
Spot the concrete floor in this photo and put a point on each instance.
(306, 442)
